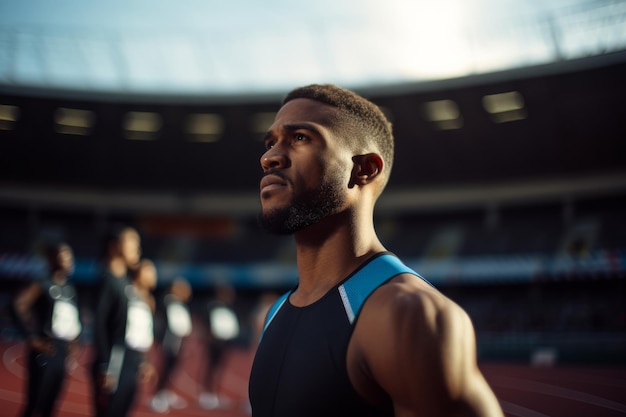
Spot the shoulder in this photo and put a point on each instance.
(406, 328)
(418, 347)
(408, 305)
(32, 290)
(115, 284)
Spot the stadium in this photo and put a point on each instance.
(508, 190)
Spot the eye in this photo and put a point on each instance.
(299, 137)
(269, 144)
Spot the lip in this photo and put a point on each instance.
(271, 182)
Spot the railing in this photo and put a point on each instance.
(463, 270)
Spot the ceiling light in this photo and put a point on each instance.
(73, 121)
(142, 125)
(261, 122)
(505, 107)
(8, 116)
(204, 127)
(443, 114)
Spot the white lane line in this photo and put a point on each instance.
(9, 358)
(14, 397)
(11, 364)
(555, 391)
(519, 411)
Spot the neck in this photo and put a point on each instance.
(59, 277)
(145, 295)
(329, 251)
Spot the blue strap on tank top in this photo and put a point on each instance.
(355, 290)
(274, 309)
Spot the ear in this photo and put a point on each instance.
(366, 168)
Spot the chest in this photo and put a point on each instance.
(58, 312)
(300, 365)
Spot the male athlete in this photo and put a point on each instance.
(361, 334)
(47, 312)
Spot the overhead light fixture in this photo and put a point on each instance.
(73, 121)
(142, 125)
(204, 127)
(261, 121)
(8, 116)
(443, 114)
(505, 107)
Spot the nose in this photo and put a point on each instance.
(273, 158)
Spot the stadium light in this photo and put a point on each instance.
(73, 121)
(505, 107)
(142, 125)
(8, 116)
(261, 122)
(443, 114)
(204, 127)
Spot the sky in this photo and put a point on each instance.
(197, 47)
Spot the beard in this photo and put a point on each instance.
(305, 210)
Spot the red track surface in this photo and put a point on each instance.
(523, 390)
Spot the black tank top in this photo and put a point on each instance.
(300, 365)
(57, 311)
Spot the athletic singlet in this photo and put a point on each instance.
(57, 311)
(139, 331)
(64, 323)
(300, 365)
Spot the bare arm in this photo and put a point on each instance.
(418, 347)
(22, 310)
(23, 303)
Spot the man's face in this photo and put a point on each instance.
(147, 276)
(130, 247)
(306, 170)
(65, 259)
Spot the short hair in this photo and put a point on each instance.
(114, 235)
(51, 251)
(361, 122)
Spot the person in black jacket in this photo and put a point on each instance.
(47, 313)
(122, 251)
(222, 331)
(128, 366)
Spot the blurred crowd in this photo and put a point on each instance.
(127, 317)
(136, 320)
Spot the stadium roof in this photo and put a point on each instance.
(199, 48)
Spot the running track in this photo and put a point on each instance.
(523, 390)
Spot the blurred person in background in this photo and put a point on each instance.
(361, 333)
(129, 367)
(222, 329)
(47, 313)
(257, 321)
(174, 313)
(121, 254)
